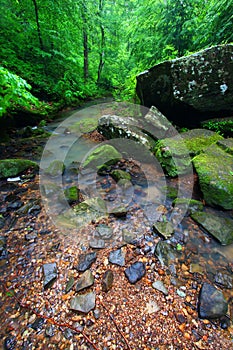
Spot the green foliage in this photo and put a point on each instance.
(15, 93)
(222, 127)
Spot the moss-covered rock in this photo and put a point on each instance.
(215, 168)
(164, 229)
(55, 168)
(190, 205)
(14, 167)
(104, 154)
(175, 153)
(118, 175)
(71, 194)
(84, 126)
(219, 227)
(226, 145)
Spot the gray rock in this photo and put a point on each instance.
(97, 243)
(104, 231)
(135, 272)
(85, 281)
(165, 253)
(158, 285)
(101, 155)
(224, 280)
(164, 229)
(70, 284)
(212, 303)
(85, 261)
(83, 303)
(129, 236)
(50, 274)
(117, 257)
(55, 168)
(31, 236)
(49, 331)
(190, 89)
(219, 227)
(107, 280)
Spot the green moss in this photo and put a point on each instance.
(13, 167)
(105, 154)
(84, 126)
(120, 175)
(55, 168)
(71, 194)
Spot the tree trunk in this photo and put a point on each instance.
(38, 25)
(85, 54)
(101, 61)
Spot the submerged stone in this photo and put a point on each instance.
(219, 227)
(85, 261)
(50, 274)
(117, 257)
(101, 155)
(107, 280)
(190, 205)
(164, 229)
(14, 167)
(85, 281)
(212, 303)
(120, 175)
(55, 168)
(86, 125)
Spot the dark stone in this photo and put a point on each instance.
(70, 284)
(212, 303)
(31, 236)
(104, 231)
(85, 281)
(107, 280)
(165, 253)
(37, 325)
(49, 331)
(14, 205)
(135, 272)
(50, 274)
(85, 261)
(10, 343)
(190, 89)
(97, 243)
(224, 280)
(3, 251)
(117, 257)
(225, 322)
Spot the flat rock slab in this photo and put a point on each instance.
(85, 261)
(215, 171)
(83, 303)
(212, 303)
(85, 281)
(50, 274)
(219, 227)
(190, 89)
(117, 257)
(135, 272)
(107, 280)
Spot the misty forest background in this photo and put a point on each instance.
(57, 53)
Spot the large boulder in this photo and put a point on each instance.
(14, 167)
(190, 89)
(215, 171)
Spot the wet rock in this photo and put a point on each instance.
(71, 194)
(83, 213)
(192, 88)
(84, 126)
(3, 250)
(85, 261)
(219, 227)
(31, 236)
(107, 280)
(158, 285)
(38, 324)
(29, 207)
(212, 303)
(117, 257)
(97, 243)
(2, 222)
(165, 252)
(104, 231)
(85, 281)
(224, 280)
(10, 343)
(104, 154)
(188, 205)
(118, 210)
(225, 322)
(14, 205)
(96, 313)
(215, 177)
(175, 153)
(129, 236)
(135, 272)
(164, 229)
(70, 284)
(83, 303)
(55, 168)
(50, 274)
(49, 331)
(118, 175)
(68, 334)
(14, 167)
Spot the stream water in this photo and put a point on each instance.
(145, 197)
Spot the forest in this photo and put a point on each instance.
(58, 53)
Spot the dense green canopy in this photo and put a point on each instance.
(69, 50)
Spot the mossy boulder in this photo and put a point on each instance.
(190, 205)
(14, 167)
(219, 227)
(226, 145)
(55, 168)
(86, 125)
(71, 194)
(215, 168)
(102, 155)
(118, 175)
(175, 153)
